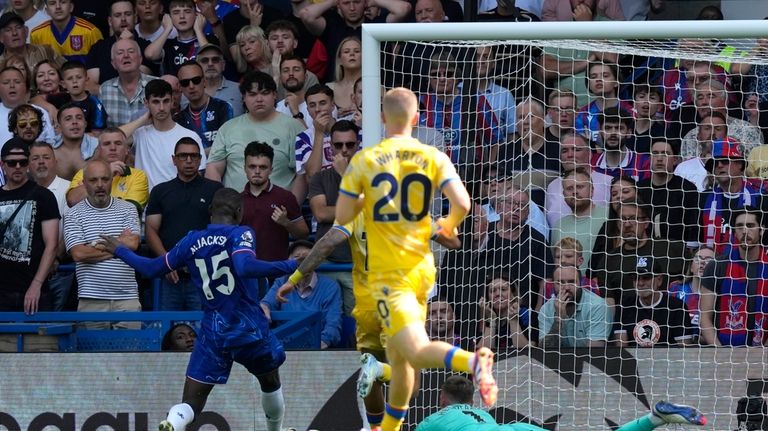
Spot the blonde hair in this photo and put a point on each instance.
(339, 71)
(569, 243)
(245, 33)
(400, 106)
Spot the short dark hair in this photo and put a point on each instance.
(345, 126)
(68, 105)
(13, 116)
(642, 206)
(614, 115)
(458, 390)
(714, 114)
(193, 63)
(226, 202)
(261, 80)
(42, 144)
(299, 244)
(674, 143)
(74, 64)
(260, 149)
(157, 88)
(754, 210)
(648, 89)
(181, 3)
(289, 57)
(114, 2)
(167, 344)
(318, 89)
(282, 24)
(185, 141)
(614, 69)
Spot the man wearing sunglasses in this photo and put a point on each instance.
(203, 114)
(323, 192)
(29, 223)
(175, 208)
(211, 58)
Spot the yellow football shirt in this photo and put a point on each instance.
(73, 43)
(398, 178)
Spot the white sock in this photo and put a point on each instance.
(274, 408)
(180, 416)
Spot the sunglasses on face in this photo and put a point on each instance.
(196, 80)
(212, 60)
(25, 124)
(349, 145)
(188, 156)
(16, 163)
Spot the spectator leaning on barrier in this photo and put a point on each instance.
(128, 182)
(263, 121)
(315, 292)
(651, 317)
(30, 233)
(176, 207)
(323, 192)
(42, 166)
(734, 294)
(105, 283)
(575, 317)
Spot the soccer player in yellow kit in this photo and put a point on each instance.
(394, 182)
(370, 339)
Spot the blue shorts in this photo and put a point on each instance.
(211, 364)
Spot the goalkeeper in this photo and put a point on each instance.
(457, 413)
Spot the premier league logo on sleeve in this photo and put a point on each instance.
(76, 42)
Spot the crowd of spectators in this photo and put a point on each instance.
(610, 208)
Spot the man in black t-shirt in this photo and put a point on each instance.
(651, 317)
(29, 234)
(334, 20)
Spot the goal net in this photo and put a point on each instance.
(590, 151)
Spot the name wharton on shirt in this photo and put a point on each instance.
(205, 241)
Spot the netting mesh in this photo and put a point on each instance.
(597, 154)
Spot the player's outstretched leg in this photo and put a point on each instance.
(482, 374)
(371, 370)
(678, 414)
(666, 413)
(193, 401)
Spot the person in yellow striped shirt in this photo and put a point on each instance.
(69, 36)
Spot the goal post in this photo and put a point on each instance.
(374, 34)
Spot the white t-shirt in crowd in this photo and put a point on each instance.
(694, 171)
(38, 18)
(154, 151)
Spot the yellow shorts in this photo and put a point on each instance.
(368, 328)
(401, 297)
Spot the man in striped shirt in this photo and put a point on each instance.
(104, 282)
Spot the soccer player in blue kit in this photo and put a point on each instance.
(220, 258)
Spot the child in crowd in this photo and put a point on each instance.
(73, 74)
(566, 252)
(175, 51)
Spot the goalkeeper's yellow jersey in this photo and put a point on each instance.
(398, 179)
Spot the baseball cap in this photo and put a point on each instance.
(728, 148)
(646, 265)
(10, 17)
(14, 146)
(208, 46)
